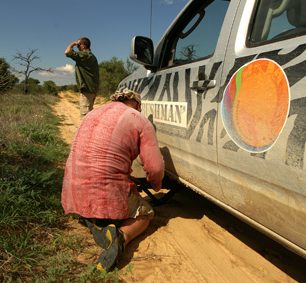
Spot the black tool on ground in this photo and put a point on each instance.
(143, 186)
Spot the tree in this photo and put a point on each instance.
(111, 73)
(130, 66)
(26, 61)
(189, 52)
(7, 79)
(50, 87)
(33, 86)
(71, 87)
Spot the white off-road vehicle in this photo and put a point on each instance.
(226, 90)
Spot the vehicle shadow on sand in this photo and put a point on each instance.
(188, 204)
(184, 204)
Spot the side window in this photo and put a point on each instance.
(278, 19)
(196, 35)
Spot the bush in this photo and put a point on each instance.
(50, 87)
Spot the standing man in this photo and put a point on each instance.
(97, 183)
(86, 72)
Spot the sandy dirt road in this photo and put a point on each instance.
(190, 239)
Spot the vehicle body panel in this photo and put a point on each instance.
(261, 179)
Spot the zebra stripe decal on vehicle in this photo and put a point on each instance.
(152, 89)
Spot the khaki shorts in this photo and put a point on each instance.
(87, 101)
(139, 206)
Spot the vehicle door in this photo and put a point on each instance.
(180, 96)
(262, 117)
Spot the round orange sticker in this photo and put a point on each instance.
(255, 105)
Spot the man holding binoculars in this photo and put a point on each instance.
(86, 72)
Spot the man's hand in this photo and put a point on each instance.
(71, 45)
(157, 189)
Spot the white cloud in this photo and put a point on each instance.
(60, 75)
(172, 2)
(68, 68)
(169, 2)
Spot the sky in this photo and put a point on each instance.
(50, 25)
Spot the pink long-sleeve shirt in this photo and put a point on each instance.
(96, 181)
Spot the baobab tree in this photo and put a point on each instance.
(26, 61)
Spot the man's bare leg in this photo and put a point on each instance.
(133, 227)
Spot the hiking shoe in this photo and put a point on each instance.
(102, 236)
(109, 256)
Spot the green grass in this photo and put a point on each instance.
(33, 246)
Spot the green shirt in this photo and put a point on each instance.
(86, 70)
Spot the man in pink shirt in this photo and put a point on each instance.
(97, 184)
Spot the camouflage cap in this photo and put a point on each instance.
(125, 94)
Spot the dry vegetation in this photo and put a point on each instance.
(33, 244)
